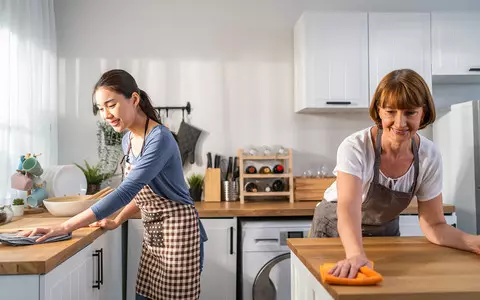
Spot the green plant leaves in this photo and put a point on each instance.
(195, 181)
(93, 174)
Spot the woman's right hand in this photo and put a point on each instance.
(107, 224)
(348, 268)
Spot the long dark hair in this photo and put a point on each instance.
(121, 82)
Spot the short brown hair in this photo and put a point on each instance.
(403, 89)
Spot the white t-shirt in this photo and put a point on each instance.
(356, 156)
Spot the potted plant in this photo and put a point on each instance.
(94, 177)
(195, 182)
(17, 207)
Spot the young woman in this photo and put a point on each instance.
(380, 169)
(172, 249)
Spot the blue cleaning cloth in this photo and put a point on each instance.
(13, 239)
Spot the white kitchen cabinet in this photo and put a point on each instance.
(399, 41)
(331, 61)
(218, 279)
(75, 278)
(455, 43)
(134, 251)
(109, 246)
(93, 273)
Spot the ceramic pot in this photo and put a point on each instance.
(196, 194)
(17, 210)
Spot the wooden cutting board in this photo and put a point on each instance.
(30, 223)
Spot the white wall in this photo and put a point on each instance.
(232, 60)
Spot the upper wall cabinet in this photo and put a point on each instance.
(456, 43)
(331, 61)
(399, 41)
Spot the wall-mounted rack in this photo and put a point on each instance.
(187, 108)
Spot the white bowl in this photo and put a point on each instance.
(68, 206)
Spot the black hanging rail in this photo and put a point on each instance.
(187, 108)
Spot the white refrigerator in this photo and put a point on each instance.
(456, 133)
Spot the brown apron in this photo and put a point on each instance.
(170, 262)
(380, 210)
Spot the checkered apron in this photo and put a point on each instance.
(170, 262)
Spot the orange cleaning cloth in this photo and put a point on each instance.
(365, 276)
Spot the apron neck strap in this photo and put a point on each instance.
(378, 153)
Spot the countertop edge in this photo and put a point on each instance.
(327, 287)
(70, 251)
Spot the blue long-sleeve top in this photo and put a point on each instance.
(160, 166)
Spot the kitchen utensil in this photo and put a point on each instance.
(235, 169)
(68, 206)
(37, 197)
(231, 190)
(266, 150)
(217, 161)
(212, 185)
(100, 194)
(21, 182)
(209, 160)
(229, 174)
(32, 166)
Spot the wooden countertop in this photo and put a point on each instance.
(412, 267)
(271, 208)
(41, 259)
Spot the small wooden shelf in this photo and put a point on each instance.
(266, 175)
(263, 194)
(286, 161)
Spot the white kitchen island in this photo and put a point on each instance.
(412, 267)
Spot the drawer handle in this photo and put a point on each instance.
(267, 241)
(474, 69)
(97, 282)
(338, 102)
(231, 240)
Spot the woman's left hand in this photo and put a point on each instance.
(473, 242)
(47, 232)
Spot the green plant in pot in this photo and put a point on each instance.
(18, 207)
(195, 182)
(94, 177)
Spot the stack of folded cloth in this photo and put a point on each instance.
(365, 276)
(14, 240)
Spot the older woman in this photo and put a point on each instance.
(380, 169)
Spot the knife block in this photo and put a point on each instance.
(212, 184)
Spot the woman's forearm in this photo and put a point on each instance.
(81, 220)
(445, 235)
(129, 211)
(350, 229)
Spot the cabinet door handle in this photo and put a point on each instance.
(338, 102)
(97, 282)
(101, 265)
(231, 240)
(474, 69)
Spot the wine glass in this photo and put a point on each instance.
(266, 150)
